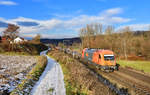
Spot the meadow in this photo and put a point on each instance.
(138, 65)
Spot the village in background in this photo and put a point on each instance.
(11, 41)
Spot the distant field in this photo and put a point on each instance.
(139, 65)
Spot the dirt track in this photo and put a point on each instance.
(135, 74)
(136, 82)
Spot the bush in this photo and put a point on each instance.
(27, 48)
(1, 50)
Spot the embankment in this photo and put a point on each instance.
(78, 79)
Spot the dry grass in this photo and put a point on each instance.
(27, 48)
(78, 79)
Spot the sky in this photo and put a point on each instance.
(64, 18)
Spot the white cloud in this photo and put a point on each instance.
(120, 19)
(72, 24)
(62, 15)
(135, 27)
(112, 11)
(7, 2)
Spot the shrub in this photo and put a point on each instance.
(27, 48)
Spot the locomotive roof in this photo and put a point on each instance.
(98, 50)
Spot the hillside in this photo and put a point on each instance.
(65, 40)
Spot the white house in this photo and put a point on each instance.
(18, 40)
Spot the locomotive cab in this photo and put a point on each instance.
(109, 62)
(106, 60)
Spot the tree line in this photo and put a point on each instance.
(124, 42)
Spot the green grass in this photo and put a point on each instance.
(51, 90)
(139, 65)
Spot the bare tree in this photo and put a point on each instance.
(11, 32)
(37, 38)
(109, 30)
(89, 34)
(126, 35)
(82, 34)
(124, 43)
(149, 28)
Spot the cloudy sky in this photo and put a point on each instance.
(64, 18)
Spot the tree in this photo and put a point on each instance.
(11, 32)
(89, 33)
(37, 38)
(109, 30)
(149, 28)
(126, 40)
(98, 28)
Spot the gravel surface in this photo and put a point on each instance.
(12, 70)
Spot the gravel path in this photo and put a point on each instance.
(51, 81)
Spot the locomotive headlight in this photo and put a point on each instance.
(112, 62)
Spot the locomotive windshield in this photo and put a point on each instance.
(109, 57)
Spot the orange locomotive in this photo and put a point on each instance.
(103, 59)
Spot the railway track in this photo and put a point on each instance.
(112, 87)
(134, 87)
(128, 80)
(128, 85)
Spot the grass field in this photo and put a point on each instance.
(139, 65)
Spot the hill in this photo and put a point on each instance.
(67, 41)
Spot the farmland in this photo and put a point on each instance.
(13, 69)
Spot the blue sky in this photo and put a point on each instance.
(64, 18)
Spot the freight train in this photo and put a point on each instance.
(103, 59)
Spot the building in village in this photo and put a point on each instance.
(19, 40)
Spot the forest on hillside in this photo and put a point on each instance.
(125, 42)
